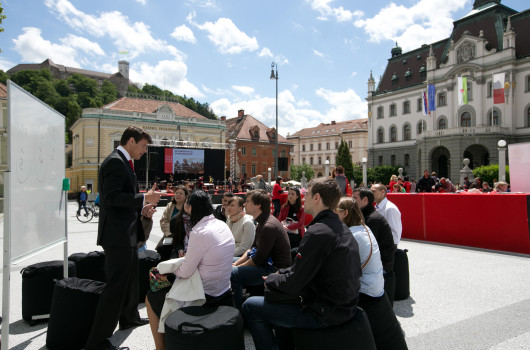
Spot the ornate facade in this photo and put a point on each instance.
(491, 39)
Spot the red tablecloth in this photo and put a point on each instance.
(491, 221)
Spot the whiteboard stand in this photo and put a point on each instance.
(6, 285)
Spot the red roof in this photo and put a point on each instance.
(131, 104)
(3, 91)
(333, 128)
(239, 128)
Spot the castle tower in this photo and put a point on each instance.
(123, 68)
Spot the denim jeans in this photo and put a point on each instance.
(246, 276)
(261, 316)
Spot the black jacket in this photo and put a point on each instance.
(425, 184)
(326, 271)
(383, 235)
(218, 213)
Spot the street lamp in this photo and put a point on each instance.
(327, 167)
(364, 161)
(502, 160)
(269, 181)
(274, 76)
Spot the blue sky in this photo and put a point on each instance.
(220, 51)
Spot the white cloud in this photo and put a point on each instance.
(424, 22)
(353, 74)
(33, 48)
(184, 33)
(83, 44)
(203, 3)
(166, 74)
(327, 11)
(143, 2)
(265, 52)
(346, 104)
(245, 90)
(5, 65)
(228, 39)
(134, 37)
(318, 53)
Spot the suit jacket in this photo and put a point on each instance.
(120, 204)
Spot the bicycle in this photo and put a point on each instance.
(91, 211)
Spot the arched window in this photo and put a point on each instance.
(393, 134)
(465, 120)
(311, 161)
(406, 132)
(493, 119)
(442, 124)
(380, 135)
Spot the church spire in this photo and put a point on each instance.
(479, 3)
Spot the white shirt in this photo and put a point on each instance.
(125, 153)
(372, 280)
(393, 216)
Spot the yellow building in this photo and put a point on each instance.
(97, 133)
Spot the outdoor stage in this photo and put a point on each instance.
(491, 221)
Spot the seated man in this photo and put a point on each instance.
(269, 251)
(220, 211)
(325, 274)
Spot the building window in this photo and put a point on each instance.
(303, 148)
(423, 72)
(395, 79)
(336, 145)
(442, 100)
(469, 90)
(393, 160)
(465, 120)
(380, 135)
(421, 126)
(408, 75)
(303, 160)
(243, 150)
(493, 120)
(283, 153)
(327, 145)
(350, 144)
(243, 169)
(380, 112)
(420, 105)
(311, 147)
(319, 160)
(406, 160)
(393, 134)
(406, 132)
(380, 161)
(442, 124)
(327, 158)
(253, 167)
(393, 110)
(274, 152)
(490, 89)
(406, 107)
(528, 117)
(311, 161)
(319, 146)
(116, 143)
(253, 151)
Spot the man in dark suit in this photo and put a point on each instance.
(119, 231)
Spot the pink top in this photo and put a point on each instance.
(211, 250)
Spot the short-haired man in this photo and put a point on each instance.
(269, 251)
(325, 274)
(220, 211)
(382, 233)
(342, 181)
(426, 183)
(82, 197)
(388, 210)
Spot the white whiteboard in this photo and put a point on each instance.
(36, 166)
(519, 155)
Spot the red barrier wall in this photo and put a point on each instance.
(491, 221)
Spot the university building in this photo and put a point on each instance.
(315, 146)
(171, 125)
(490, 39)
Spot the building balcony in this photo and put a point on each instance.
(465, 131)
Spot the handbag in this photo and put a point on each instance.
(157, 281)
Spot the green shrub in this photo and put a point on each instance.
(296, 172)
(490, 172)
(382, 173)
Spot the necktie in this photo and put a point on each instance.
(131, 163)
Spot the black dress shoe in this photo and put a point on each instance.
(137, 323)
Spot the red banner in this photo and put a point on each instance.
(168, 161)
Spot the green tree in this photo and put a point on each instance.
(2, 17)
(343, 158)
(83, 84)
(62, 88)
(383, 173)
(30, 80)
(108, 92)
(152, 90)
(296, 172)
(3, 76)
(488, 173)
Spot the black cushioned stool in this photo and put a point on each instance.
(38, 281)
(72, 313)
(203, 328)
(352, 335)
(146, 260)
(90, 266)
(384, 324)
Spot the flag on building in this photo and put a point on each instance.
(498, 88)
(462, 91)
(432, 97)
(425, 103)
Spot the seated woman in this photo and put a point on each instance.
(210, 250)
(292, 217)
(240, 224)
(165, 246)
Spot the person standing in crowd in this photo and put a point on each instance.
(382, 233)
(407, 184)
(119, 231)
(292, 217)
(82, 197)
(388, 210)
(426, 183)
(240, 224)
(220, 211)
(269, 252)
(262, 185)
(393, 181)
(325, 275)
(342, 181)
(276, 196)
(467, 184)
